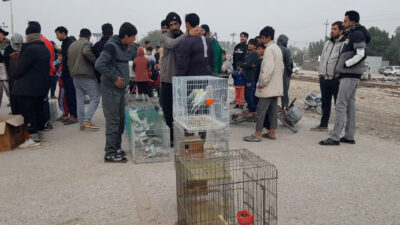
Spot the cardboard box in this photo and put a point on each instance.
(11, 132)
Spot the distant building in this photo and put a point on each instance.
(374, 63)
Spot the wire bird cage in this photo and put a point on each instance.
(149, 136)
(200, 102)
(229, 187)
(188, 142)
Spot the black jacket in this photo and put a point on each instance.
(32, 76)
(249, 66)
(191, 59)
(287, 56)
(64, 51)
(97, 49)
(239, 54)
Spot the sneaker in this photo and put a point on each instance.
(319, 128)
(236, 107)
(241, 107)
(233, 102)
(90, 125)
(115, 159)
(29, 144)
(70, 121)
(48, 126)
(347, 141)
(329, 141)
(121, 152)
(53, 97)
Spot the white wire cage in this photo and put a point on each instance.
(149, 136)
(229, 187)
(200, 102)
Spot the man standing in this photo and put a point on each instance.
(113, 64)
(195, 54)
(107, 32)
(81, 66)
(248, 66)
(62, 35)
(350, 67)
(288, 62)
(168, 66)
(31, 84)
(240, 51)
(269, 86)
(328, 80)
(227, 67)
(216, 48)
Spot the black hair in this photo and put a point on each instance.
(127, 29)
(150, 49)
(223, 52)
(61, 29)
(206, 28)
(164, 23)
(32, 29)
(157, 46)
(146, 42)
(339, 24)
(35, 23)
(267, 32)
(257, 37)
(85, 33)
(353, 16)
(244, 34)
(107, 29)
(261, 45)
(253, 42)
(193, 19)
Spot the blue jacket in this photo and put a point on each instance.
(238, 79)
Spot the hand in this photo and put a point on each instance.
(197, 31)
(260, 86)
(119, 82)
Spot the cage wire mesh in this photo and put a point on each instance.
(228, 187)
(200, 102)
(207, 140)
(149, 136)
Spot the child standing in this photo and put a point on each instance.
(141, 69)
(239, 82)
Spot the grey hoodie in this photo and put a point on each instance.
(287, 56)
(114, 62)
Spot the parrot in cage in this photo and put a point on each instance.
(194, 93)
(199, 100)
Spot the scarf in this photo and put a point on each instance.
(33, 37)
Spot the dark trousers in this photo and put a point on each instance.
(70, 95)
(250, 95)
(53, 85)
(143, 87)
(31, 108)
(329, 88)
(285, 97)
(166, 105)
(113, 101)
(13, 104)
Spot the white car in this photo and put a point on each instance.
(392, 70)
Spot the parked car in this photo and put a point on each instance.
(367, 72)
(382, 69)
(295, 70)
(392, 70)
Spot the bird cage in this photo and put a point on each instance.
(228, 187)
(149, 136)
(200, 102)
(187, 142)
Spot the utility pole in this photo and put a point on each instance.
(12, 17)
(326, 30)
(4, 27)
(233, 36)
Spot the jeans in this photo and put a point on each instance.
(250, 96)
(285, 97)
(86, 86)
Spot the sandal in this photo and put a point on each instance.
(266, 135)
(252, 138)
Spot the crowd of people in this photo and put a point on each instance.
(261, 70)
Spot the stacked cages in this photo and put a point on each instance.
(201, 102)
(227, 187)
(149, 136)
(201, 114)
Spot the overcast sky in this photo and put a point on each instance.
(301, 20)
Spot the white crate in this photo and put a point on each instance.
(149, 136)
(200, 102)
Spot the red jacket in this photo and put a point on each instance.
(141, 66)
(50, 46)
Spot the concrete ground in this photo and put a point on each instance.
(66, 182)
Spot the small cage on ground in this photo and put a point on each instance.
(228, 187)
(188, 142)
(200, 101)
(149, 136)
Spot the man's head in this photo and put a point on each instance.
(252, 45)
(32, 29)
(127, 33)
(223, 55)
(206, 29)
(164, 26)
(85, 33)
(107, 30)
(351, 18)
(336, 29)
(61, 33)
(174, 22)
(35, 23)
(149, 51)
(147, 44)
(267, 34)
(260, 49)
(243, 37)
(192, 20)
(3, 35)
